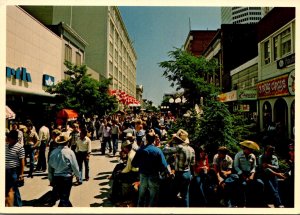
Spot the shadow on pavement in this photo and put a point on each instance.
(114, 161)
(104, 183)
(43, 201)
(105, 173)
(101, 177)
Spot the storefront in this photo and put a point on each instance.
(277, 102)
(33, 62)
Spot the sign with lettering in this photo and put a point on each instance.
(48, 80)
(274, 87)
(19, 74)
(228, 97)
(247, 94)
(284, 62)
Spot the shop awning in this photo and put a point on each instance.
(9, 113)
(67, 114)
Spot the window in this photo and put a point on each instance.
(110, 68)
(68, 53)
(275, 44)
(111, 49)
(78, 58)
(286, 42)
(267, 52)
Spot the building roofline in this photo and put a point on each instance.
(212, 41)
(244, 66)
(126, 32)
(73, 33)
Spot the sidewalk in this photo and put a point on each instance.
(92, 193)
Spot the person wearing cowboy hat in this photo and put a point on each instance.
(61, 167)
(250, 190)
(151, 162)
(185, 159)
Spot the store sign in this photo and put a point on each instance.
(48, 80)
(228, 97)
(19, 74)
(247, 95)
(284, 62)
(275, 87)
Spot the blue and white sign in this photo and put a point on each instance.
(19, 74)
(48, 80)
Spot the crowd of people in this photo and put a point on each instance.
(156, 168)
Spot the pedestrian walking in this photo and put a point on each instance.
(83, 151)
(61, 167)
(16, 126)
(44, 136)
(14, 169)
(32, 142)
(115, 131)
(106, 142)
(75, 134)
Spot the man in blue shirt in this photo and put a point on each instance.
(61, 166)
(150, 161)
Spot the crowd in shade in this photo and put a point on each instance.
(157, 168)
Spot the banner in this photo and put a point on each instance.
(246, 95)
(274, 87)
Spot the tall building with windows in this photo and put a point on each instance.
(242, 15)
(109, 51)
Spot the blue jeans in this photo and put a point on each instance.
(115, 142)
(11, 180)
(151, 183)
(82, 158)
(182, 180)
(105, 141)
(251, 193)
(29, 151)
(272, 184)
(199, 189)
(63, 185)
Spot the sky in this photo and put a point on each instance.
(155, 31)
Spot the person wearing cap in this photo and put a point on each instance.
(251, 188)
(61, 167)
(228, 182)
(83, 151)
(151, 162)
(185, 160)
(268, 164)
(14, 169)
(32, 142)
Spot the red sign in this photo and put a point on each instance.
(275, 87)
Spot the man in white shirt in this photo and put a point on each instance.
(44, 135)
(83, 151)
(106, 133)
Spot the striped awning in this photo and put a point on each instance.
(9, 113)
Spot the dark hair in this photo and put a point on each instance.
(13, 134)
(84, 132)
(150, 138)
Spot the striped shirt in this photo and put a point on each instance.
(13, 154)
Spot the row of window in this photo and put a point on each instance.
(279, 45)
(255, 13)
(240, 15)
(68, 55)
(239, 11)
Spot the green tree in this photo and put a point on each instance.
(217, 126)
(188, 72)
(82, 93)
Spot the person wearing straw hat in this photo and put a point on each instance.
(61, 167)
(251, 189)
(185, 160)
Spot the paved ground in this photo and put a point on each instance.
(92, 193)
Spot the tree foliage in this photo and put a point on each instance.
(82, 93)
(188, 72)
(217, 126)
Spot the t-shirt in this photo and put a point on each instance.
(223, 164)
(13, 154)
